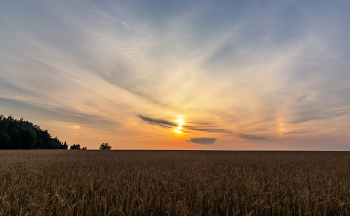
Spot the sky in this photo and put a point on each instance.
(220, 75)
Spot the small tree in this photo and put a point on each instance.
(75, 146)
(84, 148)
(105, 146)
(64, 146)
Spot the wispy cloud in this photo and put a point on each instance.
(160, 122)
(211, 130)
(43, 113)
(252, 137)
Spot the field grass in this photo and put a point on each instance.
(60, 182)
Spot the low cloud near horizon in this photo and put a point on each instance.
(203, 141)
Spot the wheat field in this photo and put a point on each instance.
(74, 182)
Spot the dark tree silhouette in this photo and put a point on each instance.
(84, 148)
(75, 146)
(5, 141)
(20, 134)
(105, 146)
(65, 146)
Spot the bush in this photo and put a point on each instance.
(105, 146)
(75, 146)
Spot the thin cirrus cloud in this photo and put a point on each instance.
(260, 71)
(169, 124)
(160, 122)
(55, 114)
(252, 137)
(211, 130)
(194, 127)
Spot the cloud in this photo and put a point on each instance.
(160, 122)
(313, 107)
(52, 113)
(211, 130)
(252, 137)
(203, 141)
(169, 124)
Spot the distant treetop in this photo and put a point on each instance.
(20, 134)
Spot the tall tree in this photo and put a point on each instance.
(20, 134)
(5, 141)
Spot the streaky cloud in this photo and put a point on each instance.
(160, 122)
(211, 130)
(54, 113)
(252, 137)
(169, 124)
(203, 141)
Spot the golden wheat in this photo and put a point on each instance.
(59, 182)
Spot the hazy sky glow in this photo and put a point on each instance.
(235, 75)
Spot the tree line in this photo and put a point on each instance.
(103, 146)
(20, 134)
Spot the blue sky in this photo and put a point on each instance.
(248, 75)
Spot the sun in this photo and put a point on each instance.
(180, 121)
(178, 129)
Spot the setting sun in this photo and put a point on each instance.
(178, 129)
(180, 121)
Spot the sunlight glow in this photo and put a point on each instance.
(180, 121)
(178, 131)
